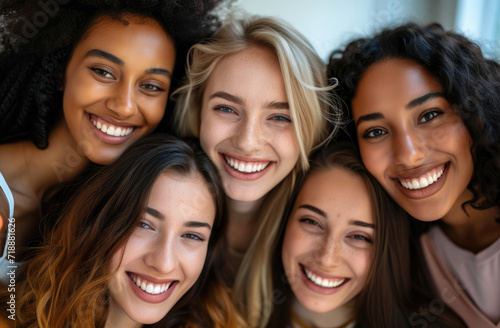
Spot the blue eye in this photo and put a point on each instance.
(224, 109)
(281, 118)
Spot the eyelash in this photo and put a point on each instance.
(102, 72)
(224, 109)
(281, 118)
(144, 225)
(148, 88)
(366, 134)
(310, 222)
(434, 112)
(193, 236)
(361, 238)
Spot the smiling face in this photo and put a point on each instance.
(116, 85)
(246, 127)
(328, 244)
(165, 254)
(412, 139)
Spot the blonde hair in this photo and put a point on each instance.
(313, 110)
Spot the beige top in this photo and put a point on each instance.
(452, 288)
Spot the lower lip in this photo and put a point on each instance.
(245, 176)
(150, 298)
(427, 191)
(319, 289)
(106, 137)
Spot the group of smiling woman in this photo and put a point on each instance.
(242, 183)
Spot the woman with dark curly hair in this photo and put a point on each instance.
(424, 110)
(135, 246)
(80, 82)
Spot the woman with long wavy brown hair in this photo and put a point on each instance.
(135, 243)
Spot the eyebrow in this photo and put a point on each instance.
(239, 101)
(118, 61)
(420, 100)
(362, 224)
(314, 209)
(189, 224)
(105, 55)
(412, 104)
(197, 224)
(155, 213)
(352, 222)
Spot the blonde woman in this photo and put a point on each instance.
(256, 96)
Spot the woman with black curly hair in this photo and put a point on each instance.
(80, 82)
(424, 110)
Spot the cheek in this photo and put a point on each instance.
(361, 264)
(192, 263)
(375, 160)
(154, 109)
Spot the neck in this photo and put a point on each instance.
(242, 223)
(471, 229)
(337, 317)
(59, 163)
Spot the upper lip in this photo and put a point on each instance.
(417, 172)
(152, 279)
(246, 159)
(113, 121)
(321, 274)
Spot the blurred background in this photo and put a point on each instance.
(330, 24)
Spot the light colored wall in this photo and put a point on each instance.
(329, 24)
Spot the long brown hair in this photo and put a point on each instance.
(66, 282)
(390, 294)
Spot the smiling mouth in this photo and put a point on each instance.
(149, 287)
(323, 282)
(245, 167)
(110, 129)
(422, 181)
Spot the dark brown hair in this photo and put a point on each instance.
(390, 295)
(66, 282)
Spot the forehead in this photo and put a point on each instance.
(394, 80)
(131, 33)
(338, 192)
(251, 65)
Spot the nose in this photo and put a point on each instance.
(122, 100)
(409, 148)
(329, 251)
(162, 255)
(249, 135)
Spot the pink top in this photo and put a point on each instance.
(457, 273)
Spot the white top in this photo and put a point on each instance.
(5, 265)
(479, 274)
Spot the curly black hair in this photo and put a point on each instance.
(37, 40)
(470, 81)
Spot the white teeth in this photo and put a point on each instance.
(111, 129)
(323, 282)
(149, 287)
(422, 182)
(244, 166)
